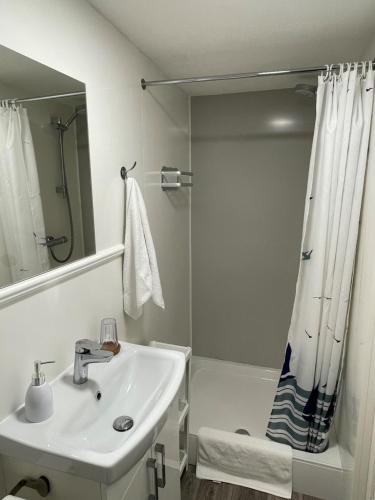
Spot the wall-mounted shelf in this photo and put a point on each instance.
(183, 402)
(186, 350)
(173, 178)
(183, 461)
(183, 411)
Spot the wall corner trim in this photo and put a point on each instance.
(20, 290)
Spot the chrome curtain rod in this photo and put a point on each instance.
(239, 76)
(43, 97)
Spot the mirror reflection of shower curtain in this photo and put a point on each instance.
(21, 215)
(305, 400)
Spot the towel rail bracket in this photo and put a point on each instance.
(173, 178)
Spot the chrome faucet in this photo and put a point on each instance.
(86, 352)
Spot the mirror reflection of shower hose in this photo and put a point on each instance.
(67, 196)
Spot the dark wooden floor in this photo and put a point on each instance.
(198, 489)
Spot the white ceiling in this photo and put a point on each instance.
(202, 37)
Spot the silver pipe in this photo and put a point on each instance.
(62, 188)
(44, 97)
(176, 171)
(237, 76)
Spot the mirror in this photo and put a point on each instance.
(46, 211)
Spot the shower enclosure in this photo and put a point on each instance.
(243, 279)
(250, 154)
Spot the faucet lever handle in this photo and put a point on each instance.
(86, 346)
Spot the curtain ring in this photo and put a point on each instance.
(325, 77)
(363, 69)
(330, 72)
(341, 71)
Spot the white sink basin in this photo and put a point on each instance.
(140, 382)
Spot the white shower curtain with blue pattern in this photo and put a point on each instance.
(305, 400)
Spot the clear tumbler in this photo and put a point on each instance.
(108, 335)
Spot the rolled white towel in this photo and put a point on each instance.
(255, 463)
(11, 497)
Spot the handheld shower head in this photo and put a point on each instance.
(79, 109)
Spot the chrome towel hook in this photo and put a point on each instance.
(124, 172)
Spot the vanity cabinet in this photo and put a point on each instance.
(155, 477)
(166, 454)
(136, 484)
(183, 402)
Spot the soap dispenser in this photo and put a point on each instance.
(39, 397)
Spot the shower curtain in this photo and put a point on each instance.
(21, 215)
(305, 400)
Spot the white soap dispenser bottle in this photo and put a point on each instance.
(39, 397)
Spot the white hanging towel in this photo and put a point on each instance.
(246, 461)
(11, 497)
(141, 279)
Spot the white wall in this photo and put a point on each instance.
(250, 156)
(125, 124)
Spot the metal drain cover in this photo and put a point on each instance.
(244, 432)
(123, 423)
